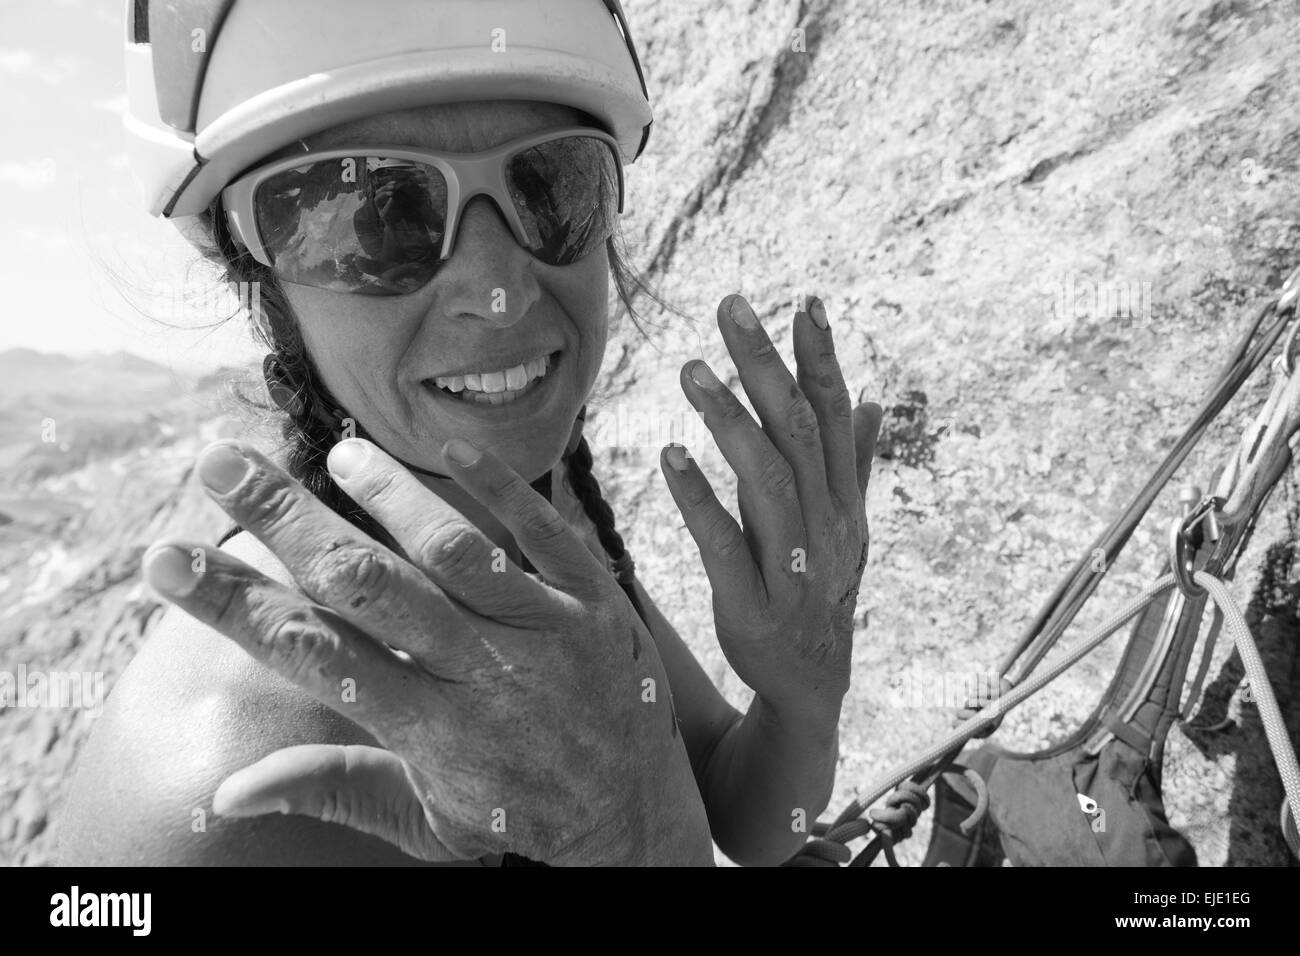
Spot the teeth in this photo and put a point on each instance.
(494, 383)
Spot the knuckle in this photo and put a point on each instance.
(543, 525)
(765, 354)
(509, 489)
(828, 365)
(776, 480)
(379, 485)
(225, 596)
(734, 413)
(802, 420)
(823, 373)
(269, 505)
(536, 519)
(840, 406)
(723, 536)
(302, 648)
(352, 574)
(331, 806)
(453, 552)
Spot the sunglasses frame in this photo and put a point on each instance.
(467, 175)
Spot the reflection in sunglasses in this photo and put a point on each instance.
(371, 223)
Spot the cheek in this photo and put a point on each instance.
(351, 338)
(584, 296)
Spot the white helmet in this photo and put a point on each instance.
(215, 85)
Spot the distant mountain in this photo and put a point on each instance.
(28, 373)
(58, 412)
(225, 375)
(29, 360)
(126, 362)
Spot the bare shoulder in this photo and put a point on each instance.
(191, 709)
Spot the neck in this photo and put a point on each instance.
(446, 488)
(473, 510)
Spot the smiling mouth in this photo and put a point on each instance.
(495, 388)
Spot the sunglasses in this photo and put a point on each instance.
(378, 220)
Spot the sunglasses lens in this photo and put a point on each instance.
(366, 224)
(566, 194)
(375, 224)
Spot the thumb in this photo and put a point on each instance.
(365, 788)
(866, 429)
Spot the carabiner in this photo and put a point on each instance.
(1205, 519)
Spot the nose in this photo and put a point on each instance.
(489, 276)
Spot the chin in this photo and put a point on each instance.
(527, 425)
(533, 462)
(530, 456)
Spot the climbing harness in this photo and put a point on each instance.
(1094, 798)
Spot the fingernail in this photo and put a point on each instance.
(169, 569)
(347, 458)
(817, 312)
(222, 467)
(461, 452)
(703, 376)
(742, 314)
(678, 457)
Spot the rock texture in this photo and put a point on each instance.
(1037, 229)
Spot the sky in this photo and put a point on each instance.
(80, 258)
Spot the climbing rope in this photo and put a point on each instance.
(1279, 741)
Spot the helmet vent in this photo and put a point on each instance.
(139, 22)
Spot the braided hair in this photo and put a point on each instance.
(311, 419)
(578, 472)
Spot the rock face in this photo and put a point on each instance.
(1038, 228)
(1037, 231)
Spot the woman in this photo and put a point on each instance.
(427, 628)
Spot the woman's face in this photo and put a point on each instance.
(490, 307)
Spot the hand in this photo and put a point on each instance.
(513, 711)
(785, 581)
(384, 198)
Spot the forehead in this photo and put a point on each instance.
(449, 127)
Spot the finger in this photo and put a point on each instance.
(302, 641)
(723, 550)
(364, 788)
(541, 532)
(437, 538)
(866, 432)
(822, 382)
(770, 513)
(786, 414)
(334, 563)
